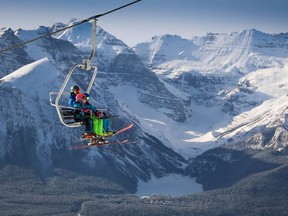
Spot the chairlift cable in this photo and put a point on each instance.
(63, 29)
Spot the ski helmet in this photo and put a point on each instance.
(75, 88)
(80, 97)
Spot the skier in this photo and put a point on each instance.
(101, 123)
(75, 90)
(83, 114)
(106, 125)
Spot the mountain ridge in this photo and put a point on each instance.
(210, 50)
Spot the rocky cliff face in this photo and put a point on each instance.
(15, 58)
(236, 71)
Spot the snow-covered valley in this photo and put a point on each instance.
(237, 82)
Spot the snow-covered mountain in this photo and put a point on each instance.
(32, 134)
(16, 57)
(184, 95)
(108, 46)
(237, 52)
(238, 85)
(237, 82)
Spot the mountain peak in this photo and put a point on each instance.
(6, 32)
(43, 30)
(167, 37)
(254, 33)
(35, 75)
(165, 47)
(108, 46)
(252, 30)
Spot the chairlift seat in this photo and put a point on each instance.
(67, 116)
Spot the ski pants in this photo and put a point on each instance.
(88, 124)
(98, 126)
(101, 125)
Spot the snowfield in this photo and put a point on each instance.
(189, 138)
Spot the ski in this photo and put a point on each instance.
(100, 141)
(97, 143)
(107, 143)
(120, 131)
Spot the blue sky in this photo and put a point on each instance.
(147, 18)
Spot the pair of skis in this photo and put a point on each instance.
(101, 141)
(98, 144)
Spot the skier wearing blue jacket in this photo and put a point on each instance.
(83, 114)
(75, 90)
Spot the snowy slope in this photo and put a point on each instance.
(271, 83)
(34, 76)
(35, 51)
(80, 36)
(39, 128)
(173, 134)
(166, 48)
(270, 114)
(237, 83)
(62, 53)
(28, 89)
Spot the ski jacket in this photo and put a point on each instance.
(87, 107)
(79, 114)
(72, 99)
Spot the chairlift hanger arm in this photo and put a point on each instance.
(63, 29)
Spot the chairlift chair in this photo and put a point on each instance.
(65, 113)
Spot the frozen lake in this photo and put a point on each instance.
(173, 185)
